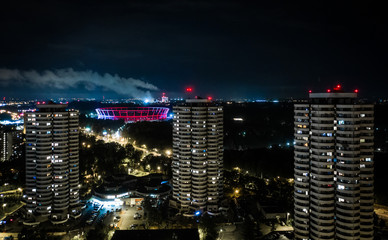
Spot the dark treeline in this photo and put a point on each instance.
(99, 125)
(263, 124)
(152, 134)
(269, 162)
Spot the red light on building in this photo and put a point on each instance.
(38, 103)
(337, 88)
(189, 89)
(356, 90)
(310, 91)
(209, 98)
(328, 90)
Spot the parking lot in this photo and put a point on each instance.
(127, 218)
(122, 217)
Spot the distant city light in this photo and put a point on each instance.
(238, 119)
(197, 213)
(189, 89)
(356, 90)
(275, 101)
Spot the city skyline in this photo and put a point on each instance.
(193, 119)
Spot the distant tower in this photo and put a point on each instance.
(5, 145)
(52, 158)
(198, 155)
(333, 167)
(164, 98)
(9, 140)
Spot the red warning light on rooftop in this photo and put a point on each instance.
(338, 88)
(189, 89)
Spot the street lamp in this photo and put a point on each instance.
(168, 152)
(4, 205)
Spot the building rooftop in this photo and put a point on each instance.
(333, 95)
(163, 234)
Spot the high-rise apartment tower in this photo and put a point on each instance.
(333, 167)
(52, 158)
(198, 156)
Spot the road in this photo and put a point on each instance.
(123, 142)
(382, 212)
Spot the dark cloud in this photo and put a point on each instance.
(65, 79)
(225, 48)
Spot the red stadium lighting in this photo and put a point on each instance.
(134, 114)
(356, 90)
(328, 90)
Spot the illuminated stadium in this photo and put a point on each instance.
(133, 114)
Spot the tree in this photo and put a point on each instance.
(249, 229)
(100, 232)
(208, 226)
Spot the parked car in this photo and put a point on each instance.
(133, 226)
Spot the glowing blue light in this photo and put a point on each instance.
(275, 101)
(146, 100)
(288, 144)
(197, 213)
(104, 132)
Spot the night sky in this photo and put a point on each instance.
(227, 49)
